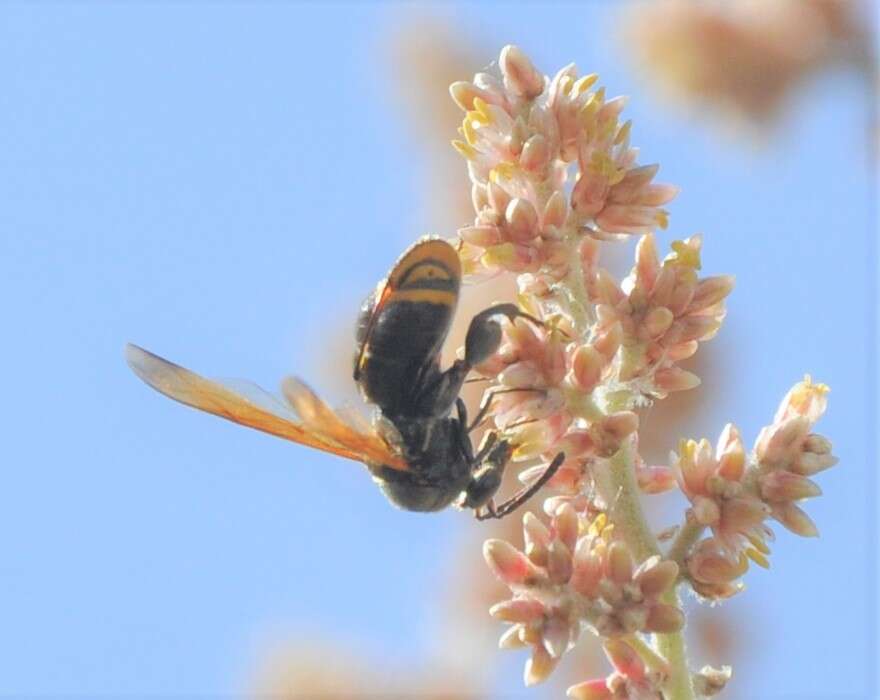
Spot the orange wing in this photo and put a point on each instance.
(320, 428)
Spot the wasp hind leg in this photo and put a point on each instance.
(521, 496)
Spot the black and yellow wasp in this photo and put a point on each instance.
(418, 452)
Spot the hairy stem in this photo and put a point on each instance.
(624, 507)
(684, 541)
(672, 647)
(618, 487)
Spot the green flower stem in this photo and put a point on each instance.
(618, 487)
(647, 653)
(616, 482)
(624, 506)
(678, 686)
(684, 541)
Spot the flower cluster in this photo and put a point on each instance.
(570, 376)
(556, 392)
(521, 133)
(734, 495)
(664, 311)
(564, 581)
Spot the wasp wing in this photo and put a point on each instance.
(428, 272)
(259, 410)
(328, 423)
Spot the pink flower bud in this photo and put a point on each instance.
(479, 196)
(655, 479)
(710, 291)
(696, 328)
(535, 153)
(557, 635)
(556, 210)
(565, 523)
(509, 564)
(590, 690)
(520, 76)
(657, 321)
(804, 399)
(523, 610)
(522, 220)
(796, 520)
(559, 564)
(498, 197)
(628, 189)
(809, 463)
(483, 236)
(661, 292)
(656, 576)
(511, 639)
(785, 486)
(647, 263)
(619, 563)
(675, 379)
(711, 563)
(587, 365)
(518, 375)
(731, 454)
(817, 444)
(539, 666)
(464, 93)
(743, 513)
(664, 619)
(625, 659)
(606, 289)
(587, 571)
(781, 442)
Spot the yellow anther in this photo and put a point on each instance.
(565, 84)
(475, 116)
(501, 171)
(464, 149)
(482, 108)
(758, 558)
(682, 253)
(758, 544)
(663, 222)
(581, 85)
(468, 131)
(623, 133)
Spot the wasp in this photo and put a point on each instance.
(418, 448)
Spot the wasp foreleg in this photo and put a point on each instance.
(486, 478)
(523, 495)
(484, 332)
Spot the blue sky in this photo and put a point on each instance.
(217, 182)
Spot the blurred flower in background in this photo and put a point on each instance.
(744, 58)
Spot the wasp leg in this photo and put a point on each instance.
(484, 333)
(524, 494)
(488, 442)
(486, 403)
(486, 478)
(437, 395)
(464, 439)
